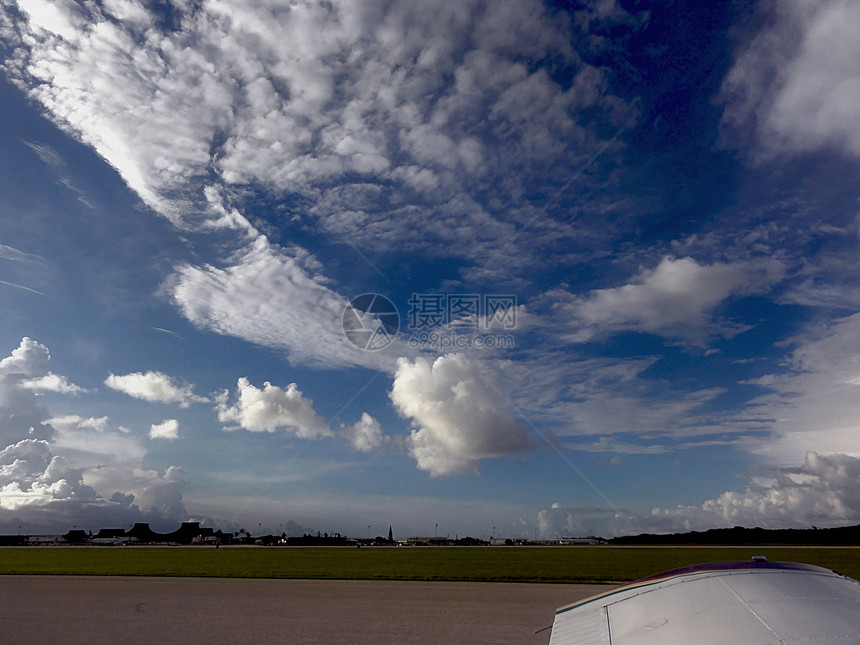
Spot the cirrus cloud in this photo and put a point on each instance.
(273, 298)
(812, 403)
(795, 82)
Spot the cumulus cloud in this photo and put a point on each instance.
(794, 82)
(24, 418)
(457, 418)
(272, 408)
(110, 461)
(168, 429)
(824, 491)
(156, 387)
(676, 300)
(48, 491)
(42, 490)
(31, 476)
(64, 470)
(30, 358)
(364, 435)
(557, 521)
(26, 369)
(150, 495)
(562, 520)
(51, 382)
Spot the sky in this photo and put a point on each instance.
(512, 268)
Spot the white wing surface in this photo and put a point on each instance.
(725, 603)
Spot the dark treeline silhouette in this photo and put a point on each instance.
(318, 540)
(738, 535)
(187, 533)
(193, 533)
(141, 533)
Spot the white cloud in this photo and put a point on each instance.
(796, 82)
(562, 520)
(30, 358)
(23, 417)
(824, 491)
(156, 387)
(272, 408)
(57, 164)
(72, 423)
(128, 11)
(436, 102)
(366, 434)
(813, 403)
(51, 382)
(677, 300)
(49, 491)
(557, 521)
(30, 476)
(274, 298)
(27, 369)
(392, 121)
(126, 90)
(86, 441)
(56, 17)
(168, 429)
(65, 470)
(457, 418)
(9, 253)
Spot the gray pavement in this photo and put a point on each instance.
(94, 610)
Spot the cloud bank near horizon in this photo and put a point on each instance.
(60, 471)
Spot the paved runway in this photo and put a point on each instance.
(93, 610)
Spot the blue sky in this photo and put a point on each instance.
(645, 212)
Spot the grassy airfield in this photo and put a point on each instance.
(579, 564)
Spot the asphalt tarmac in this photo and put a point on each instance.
(91, 610)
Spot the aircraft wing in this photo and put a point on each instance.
(725, 603)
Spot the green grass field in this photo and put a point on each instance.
(581, 564)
